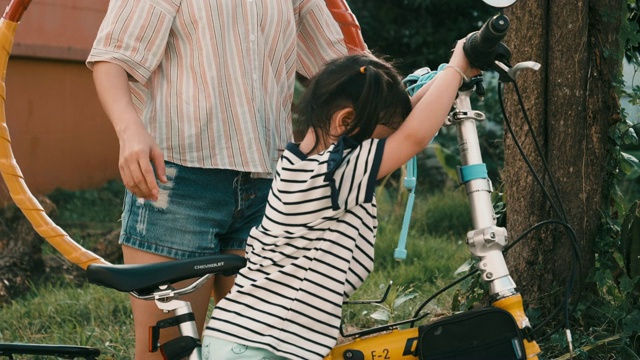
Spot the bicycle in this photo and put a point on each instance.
(486, 242)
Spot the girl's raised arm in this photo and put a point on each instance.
(428, 115)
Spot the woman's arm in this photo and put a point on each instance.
(138, 149)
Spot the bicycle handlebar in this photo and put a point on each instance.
(482, 47)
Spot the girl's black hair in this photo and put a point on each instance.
(371, 86)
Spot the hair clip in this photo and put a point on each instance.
(362, 69)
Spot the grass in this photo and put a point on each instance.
(434, 253)
(89, 214)
(64, 313)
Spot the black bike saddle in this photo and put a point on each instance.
(145, 278)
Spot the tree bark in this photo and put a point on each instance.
(572, 103)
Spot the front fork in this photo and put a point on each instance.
(487, 241)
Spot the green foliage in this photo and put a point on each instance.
(89, 315)
(60, 314)
(88, 216)
(414, 33)
(449, 159)
(630, 244)
(56, 311)
(89, 207)
(417, 33)
(446, 214)
(389, 311)
(433, 257)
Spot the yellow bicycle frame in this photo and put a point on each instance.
(397, 344)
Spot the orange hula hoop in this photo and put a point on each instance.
(9, 168)
(11, 173)
(348, 24)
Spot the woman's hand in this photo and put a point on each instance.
(138, 149)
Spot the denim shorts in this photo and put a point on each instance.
(199, 212)
(217, 349)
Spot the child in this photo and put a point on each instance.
(315, 244)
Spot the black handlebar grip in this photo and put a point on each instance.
(481, 47)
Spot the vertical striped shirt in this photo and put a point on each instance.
(213, 79)
(313, 249)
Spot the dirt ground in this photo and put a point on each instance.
(24, 257)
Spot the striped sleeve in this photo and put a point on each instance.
(319, 37)
(356, 177)
(134, 35)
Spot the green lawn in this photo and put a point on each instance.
(61, 312)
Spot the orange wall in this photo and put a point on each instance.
(60, 135)
(59, 29)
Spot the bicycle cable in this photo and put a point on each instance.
(558, 208)
(473, 271)
(559, 211)
(575, 251)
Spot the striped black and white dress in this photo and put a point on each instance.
(313, 249)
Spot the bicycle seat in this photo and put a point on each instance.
(145, 278)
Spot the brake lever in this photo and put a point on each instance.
(510, 73)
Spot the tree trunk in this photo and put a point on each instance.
(571, 103)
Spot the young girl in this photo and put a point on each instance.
(315, 244)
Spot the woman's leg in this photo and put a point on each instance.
(146, 313)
